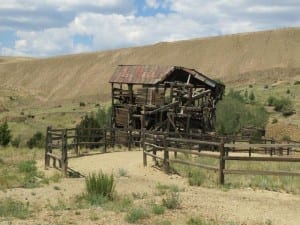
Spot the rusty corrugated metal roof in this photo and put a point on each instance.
(153, 74)
(140, 74)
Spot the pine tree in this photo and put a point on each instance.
(4, 134)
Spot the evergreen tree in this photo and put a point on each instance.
(5, 136)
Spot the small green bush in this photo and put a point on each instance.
(233, 114)
(200, 221)
(136, 214)
(297, 82)
(252, 97)
(100, 184)
(274, 120)
(120, 204)
(163, 188)
(28, 166)
(171, 201)
(5, 136)
(196, 177)
(37, 141)
(13, 208)
(16, 142)
(271, 100)
(283, 104)
(31, 175)
(123, 172)
(158, 209)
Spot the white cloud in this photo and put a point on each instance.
(113, 23)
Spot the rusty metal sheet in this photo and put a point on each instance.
(154, 74)
(140, 74)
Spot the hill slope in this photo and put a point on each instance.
(249, 57)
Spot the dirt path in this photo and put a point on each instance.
(241, 206)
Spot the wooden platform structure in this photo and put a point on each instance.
(163, 98)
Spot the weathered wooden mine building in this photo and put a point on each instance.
(165, 98)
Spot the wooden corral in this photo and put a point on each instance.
(164, 98)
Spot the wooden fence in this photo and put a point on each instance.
(59, 142)
(218, 149)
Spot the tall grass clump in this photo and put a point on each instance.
(136, 214)
(31, 176)
(13, 208)
(200, 221)
(100, 185)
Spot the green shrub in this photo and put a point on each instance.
(163, 188)
(286, 138)
(136, 214)
(158, 209)
(271, 100)
(100, 184)
(103, 116)
(196, 177)
(16, 142)
(233, 114)
(5, 136)
(297, 82)
(200, 221)
(86, 135)
(274, 120)
(13, 208)
(31, 175)
(120, 204)
(37, 141)
(252, 97)
(123, 172)
(171, 201)
(283, 104)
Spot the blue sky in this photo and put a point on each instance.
(43, 28)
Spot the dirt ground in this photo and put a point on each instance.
(234, 206)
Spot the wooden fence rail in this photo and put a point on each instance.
(223, 149)
(60, 141)
(153, 143)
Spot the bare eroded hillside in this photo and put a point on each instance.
(248, 57)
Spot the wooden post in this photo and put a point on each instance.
(76, 140)
(48, 145)
(105, 139)
(64, 154)
(129, 138)
(166, 153)
(144, 147)
(222, 162)
(271, 150)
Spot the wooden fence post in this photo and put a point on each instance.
(48, 146)
(76, 140)
(144, 147)
(222, 162)
(64, 153)
(166, 153)
(105, 139)
(129, 138)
